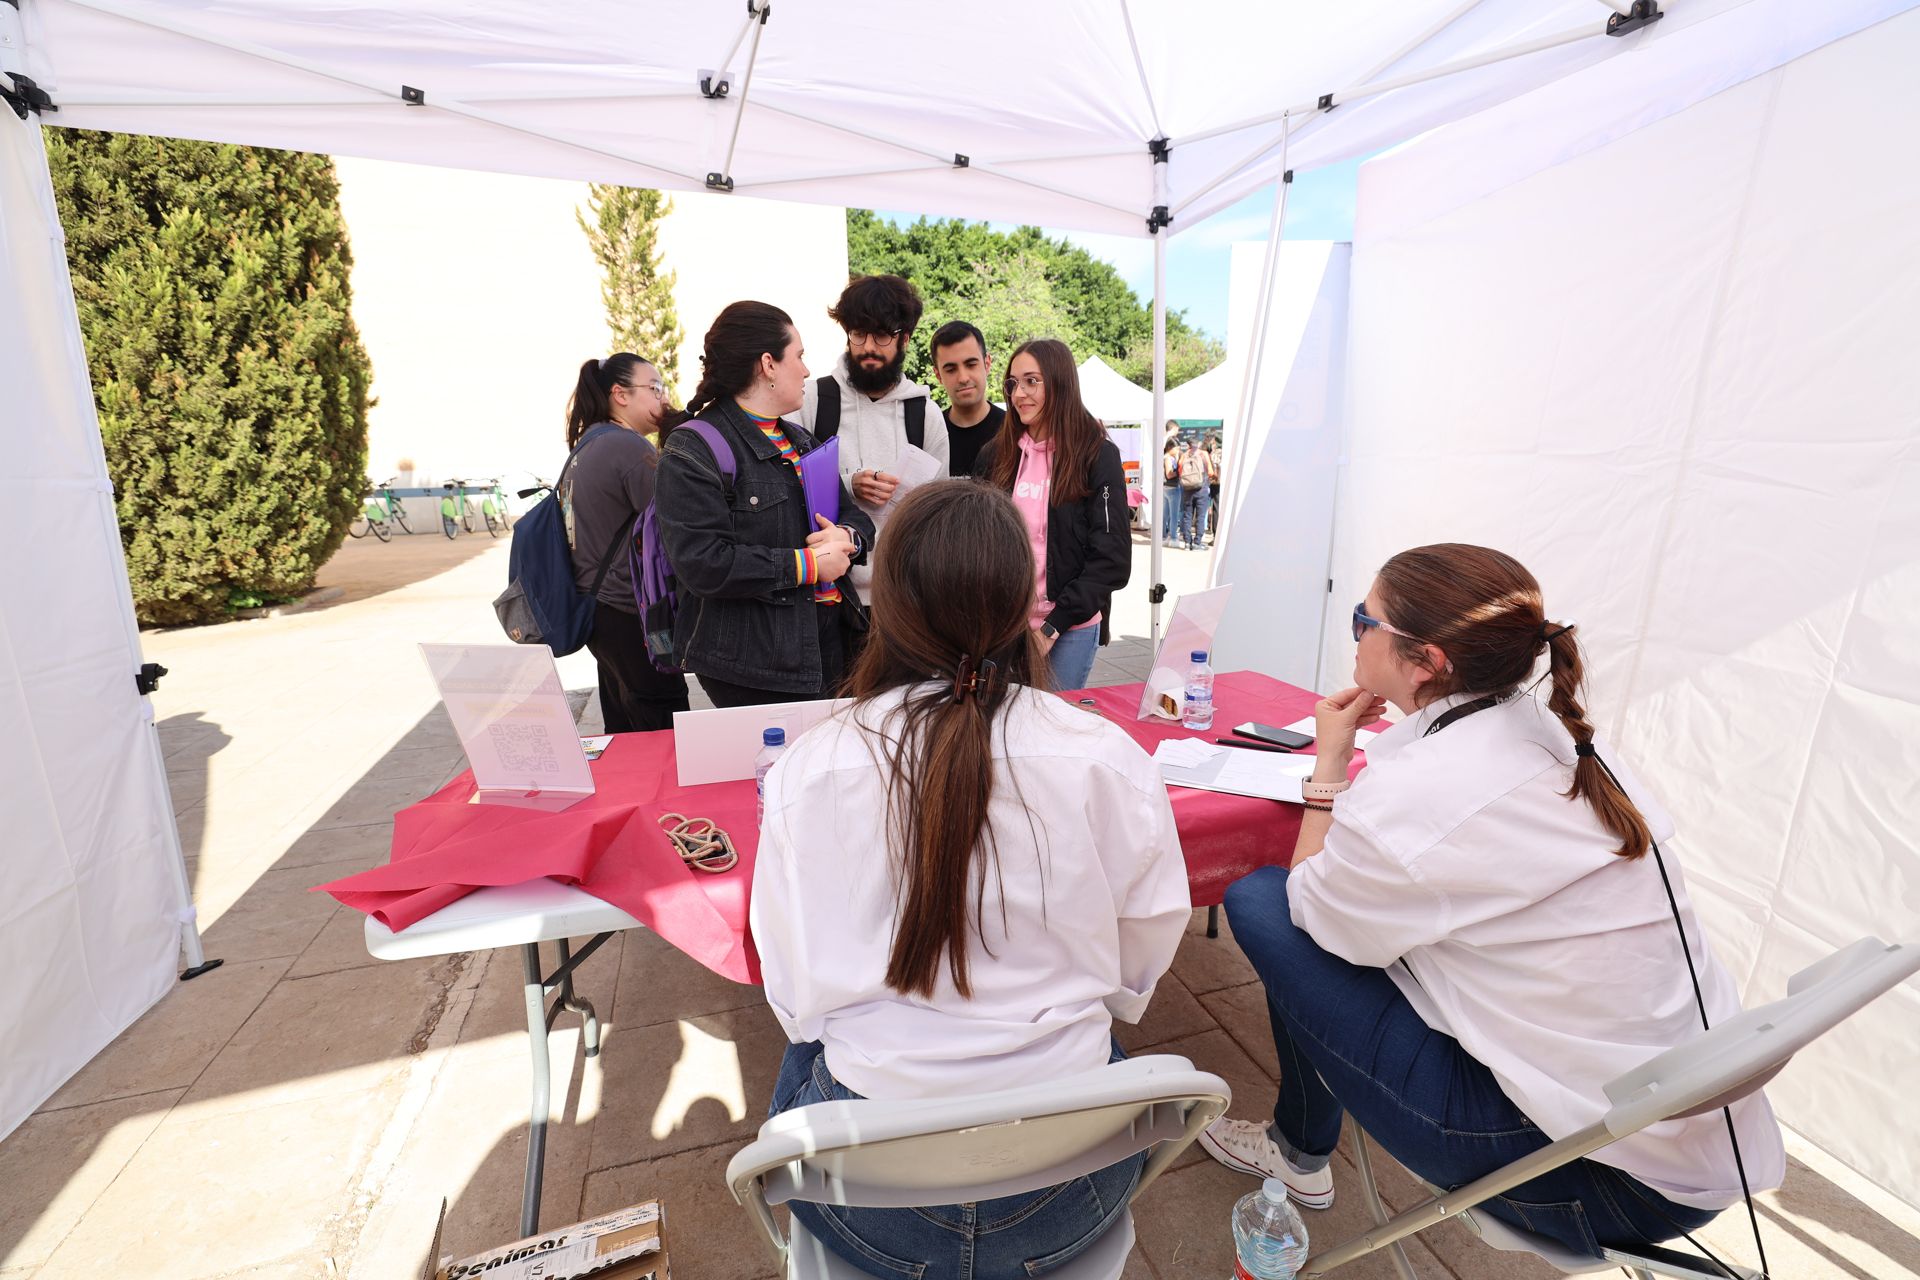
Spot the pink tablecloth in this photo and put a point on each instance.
(610, 844)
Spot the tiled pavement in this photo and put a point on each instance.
(301, 1111)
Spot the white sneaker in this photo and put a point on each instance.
(1245, 1146)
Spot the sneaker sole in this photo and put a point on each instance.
(1303, 1199)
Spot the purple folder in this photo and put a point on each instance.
(820, 476)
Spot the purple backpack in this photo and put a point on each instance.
(654, 592)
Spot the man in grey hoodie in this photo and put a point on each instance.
(868, 402)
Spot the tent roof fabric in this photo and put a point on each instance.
(1110, 397)
(1214, 394)
(1033, 113)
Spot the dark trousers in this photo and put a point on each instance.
(634, 694)
(1351, 1044)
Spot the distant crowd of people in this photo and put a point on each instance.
(961, 883)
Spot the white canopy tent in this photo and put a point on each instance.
(1133, 116)
(1110, 397)
(1210, 397)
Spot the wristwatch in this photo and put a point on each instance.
(1050, 631)
(1310, 790)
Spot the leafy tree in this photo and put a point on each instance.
(638, 294)
(1017, 285)
(212, 286)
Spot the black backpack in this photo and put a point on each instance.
(826, 415)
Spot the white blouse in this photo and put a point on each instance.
(1552, 961)
(1081, 917)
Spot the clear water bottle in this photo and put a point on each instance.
(773, 744)
(1269, 1240)
(1197, 713)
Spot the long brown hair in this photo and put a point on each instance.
(1076, 434)
(1483, 610)
(952, 629)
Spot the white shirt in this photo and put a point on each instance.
(873, 432)
(1083, 916)
(1551, 960)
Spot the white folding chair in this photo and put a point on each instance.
(1706, 1073)
(955, 1150)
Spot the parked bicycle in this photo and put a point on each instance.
(456, 513)
(494, 508)
(382, 510)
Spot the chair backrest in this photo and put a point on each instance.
(901, 1154)
(1744, 1052)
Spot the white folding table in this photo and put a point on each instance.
(524, 916)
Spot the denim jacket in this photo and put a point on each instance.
(744, 616)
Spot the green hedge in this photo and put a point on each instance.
(232, 385)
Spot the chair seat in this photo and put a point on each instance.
(1511, 1239)
(1104, 1259)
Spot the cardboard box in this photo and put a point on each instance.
(629, 1244)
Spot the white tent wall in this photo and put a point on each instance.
(90, 928)
(1674, 374)
(1277, 530)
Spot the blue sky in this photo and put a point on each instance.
(1320, 208)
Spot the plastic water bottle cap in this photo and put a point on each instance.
(773, 738)
(1199, 655)
(1274, 1191)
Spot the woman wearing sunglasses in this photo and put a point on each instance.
(607, 482)
(1065, 477)
(1473, 940)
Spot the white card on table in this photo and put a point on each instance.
(1361, 737)
(719, 745)
(507, 704)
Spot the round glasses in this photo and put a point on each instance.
(873, 337)
(1032, 382)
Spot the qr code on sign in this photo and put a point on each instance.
(524, 748)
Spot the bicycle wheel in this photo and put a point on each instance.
(381, 530)
(358, 529)
(466, 516)
(493, 521)
(400, 516)
(448, 525)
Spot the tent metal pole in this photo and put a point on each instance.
(387, 90)
(722, 180)
(1237, 459)
(1158, 490)
(753, 19)
(1386, 64)
(1344, 96)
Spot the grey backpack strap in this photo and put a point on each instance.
(826, 413)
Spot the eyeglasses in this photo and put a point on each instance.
(1362, 624)
(654, 387)
(873, 338)
(1032, 382)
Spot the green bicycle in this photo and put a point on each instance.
(494, 509)
(382, 510)
(455, 512)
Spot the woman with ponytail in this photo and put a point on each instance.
(961, 883)
(1473, 938)
(762, 596)
(617, 404)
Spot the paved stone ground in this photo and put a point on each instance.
(301, 1111)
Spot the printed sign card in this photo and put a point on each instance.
(511, 713)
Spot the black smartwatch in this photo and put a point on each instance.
(1050, 631)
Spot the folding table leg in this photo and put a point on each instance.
(590, 1021)
(536, 992)
(1213, 921)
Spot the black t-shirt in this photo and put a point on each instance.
(965, 443)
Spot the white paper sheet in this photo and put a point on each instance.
(1268, 775)
(912, 468)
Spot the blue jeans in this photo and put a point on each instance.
(1072, 655)
(1023, 1235)
(1170, 513)
(1350, 1042)
(1193, 522)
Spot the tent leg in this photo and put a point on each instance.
(1157, 492)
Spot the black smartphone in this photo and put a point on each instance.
(1279, 737)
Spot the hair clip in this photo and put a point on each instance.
(971, 679)
(1549, 632)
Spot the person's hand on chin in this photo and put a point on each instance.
(1336, 718)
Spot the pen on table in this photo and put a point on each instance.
(1253, 746)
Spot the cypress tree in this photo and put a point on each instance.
(212, 286)
(624, 231)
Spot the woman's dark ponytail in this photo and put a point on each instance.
(730, 353)
(592, 400)
(1591, 782)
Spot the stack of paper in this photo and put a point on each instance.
(1201, 766)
